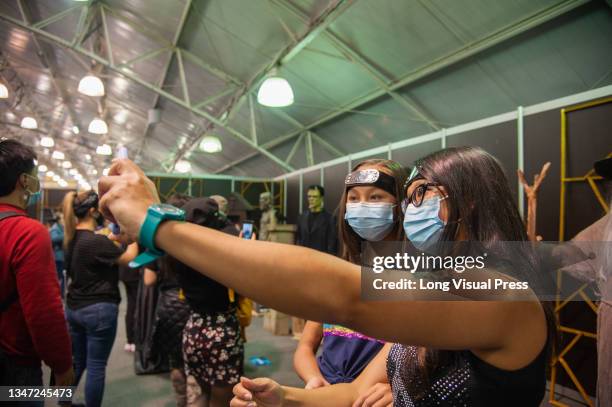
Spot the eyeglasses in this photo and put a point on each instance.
(418, 195)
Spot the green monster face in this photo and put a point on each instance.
(315, 200)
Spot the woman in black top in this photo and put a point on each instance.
(213, 348)
(93, 294)
(457, 353)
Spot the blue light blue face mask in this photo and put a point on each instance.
(371, 221)
(33, 197)
(422, 224)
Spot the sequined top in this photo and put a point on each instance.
(467, 382)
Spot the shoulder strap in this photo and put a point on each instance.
(9, 214)
(5, 304)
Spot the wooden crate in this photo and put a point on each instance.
(277, 323)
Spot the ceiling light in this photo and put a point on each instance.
(78, 177)
(58, 155)
(104, 149)
(75, 129)
(3, 91)
(73, 171)
(91, 85)
(275, 92)
(105, 172)
(93, 172)
(211, 144)
(29, 123)
(98, 126)
(50, 174)
(183, 166)
(88, 157)
(47, 142)
(66, 164)
(56, 177)
(42, 168)
(62, 183)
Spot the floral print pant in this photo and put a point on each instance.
(213, 349)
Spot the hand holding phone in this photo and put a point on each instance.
(247, 229)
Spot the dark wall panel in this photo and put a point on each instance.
(408, 155)
(541, 145)
(214, 187)
(334, 185)
(499, 140)
(293, 198)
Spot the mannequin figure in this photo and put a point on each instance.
(268, 215)
(316, 226)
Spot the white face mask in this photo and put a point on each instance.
(371, 221)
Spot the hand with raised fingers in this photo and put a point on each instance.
(125, 195)
(260, 392)
(378, 395)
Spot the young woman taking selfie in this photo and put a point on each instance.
(473, 353)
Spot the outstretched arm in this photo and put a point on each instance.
(304, 359)
(266, 392)
(320, 287)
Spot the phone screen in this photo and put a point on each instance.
(247, 229)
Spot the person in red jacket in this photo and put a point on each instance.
(32, 322)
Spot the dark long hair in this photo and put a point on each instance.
(480, 201)
(350, 242)
(76, 207)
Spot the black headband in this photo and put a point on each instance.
(81, 207)
(371, 177)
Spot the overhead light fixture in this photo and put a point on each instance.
(56, 177)
(88, 157)
(211, 144)
(104, 149)
(42, 168)
(91, 85)
(29, 123)
(66, 164)
(3, 91)
(62, 183)
(73, 171)
(93, 172)
(183, 166)
(275, 91)
(57, 155)
(78, 177)
(98, 126)
(105, 172)
(47, 141)
(50, 174)
(75, 129)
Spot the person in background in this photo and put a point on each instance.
(597, 239)
(213, 347)
(316, 228)
(32, 322)
(57, 240)
(171, 315)
(230, 228)
(372, 213)
(268, 215)
(93, 294)
(130, 278)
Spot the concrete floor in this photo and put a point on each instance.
(124, 388)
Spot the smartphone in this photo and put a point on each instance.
(247, 229)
